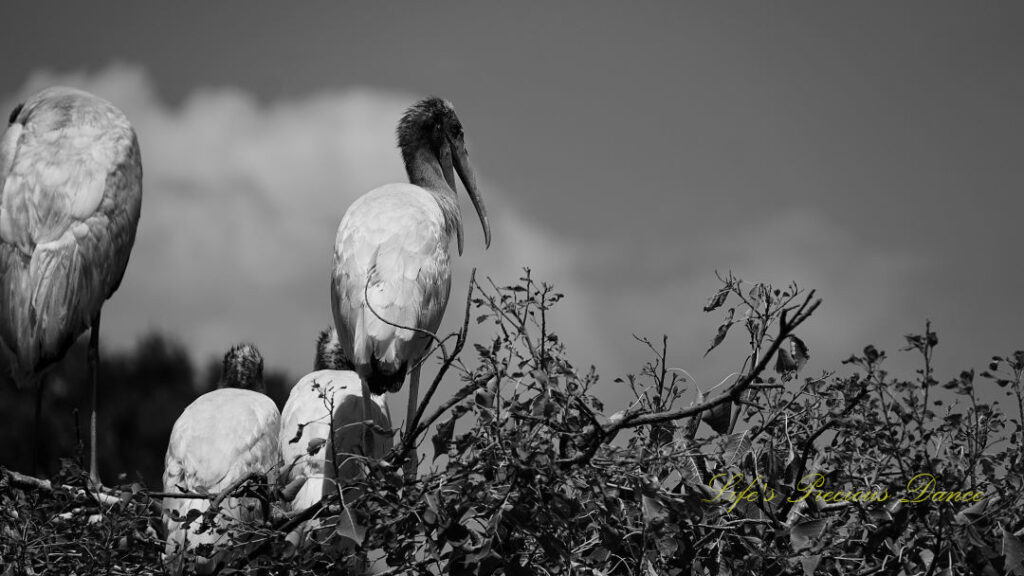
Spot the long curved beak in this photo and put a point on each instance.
(461, 160)
(449, 177)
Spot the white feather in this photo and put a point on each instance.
(221, 437)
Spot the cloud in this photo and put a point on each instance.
(243, 198)
(241, 204)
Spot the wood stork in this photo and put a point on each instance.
(391, 253)
(308, 449)
(70, 198)
(222, 437)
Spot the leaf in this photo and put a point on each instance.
(802, 534)
(349, 527)
(668, 546)
(810, 564)
(456, 533)
(1013, 552)
(693, 469)
(314, 445)
(800, 352)
(784, 363)
(442, 438)
(717, 300)
(653, 508)
(973, 512)
(298, 433)
(718, 417)
(792, 357)
(871, 353)
(599, 555)
(737, 447)
(723, 330)
(484, 398)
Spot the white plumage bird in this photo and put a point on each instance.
(306, 422)
(222, 437)
(391, 252)
(70, 199)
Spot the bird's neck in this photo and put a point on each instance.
(424, 170)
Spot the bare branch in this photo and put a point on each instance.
(732, 394)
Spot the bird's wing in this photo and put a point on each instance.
(70, 204)
(391, 247)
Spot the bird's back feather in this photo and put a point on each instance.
(223, 436)
(391, 256)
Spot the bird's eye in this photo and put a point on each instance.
(14, 113)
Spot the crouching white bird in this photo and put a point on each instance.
(222, 437)
(70, 199)
(308, 450)
(391, 260)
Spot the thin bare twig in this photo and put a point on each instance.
(460, 342)
(417, 426)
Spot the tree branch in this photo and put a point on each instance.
(786, 327)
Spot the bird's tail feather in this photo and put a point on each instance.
(46, 302)
(385, 377)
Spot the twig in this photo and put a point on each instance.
(232, 488)
(786, 327)
(417, 426)
(25, 481)
(460, 342)
(189, 495)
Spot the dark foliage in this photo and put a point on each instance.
(854, 473)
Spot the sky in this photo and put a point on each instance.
(626, 152)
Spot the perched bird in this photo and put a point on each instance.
(70, 199)
(306, 422)
(391, 260)
(221, 438)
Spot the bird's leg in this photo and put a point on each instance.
(37, 447)
(94, 362)
(414, 396)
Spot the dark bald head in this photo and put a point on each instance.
(329, 353)
(243, 368)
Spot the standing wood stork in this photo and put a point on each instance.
(221, 438)
(391, 253)
(70, 198)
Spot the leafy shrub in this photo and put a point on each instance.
(791, 474)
